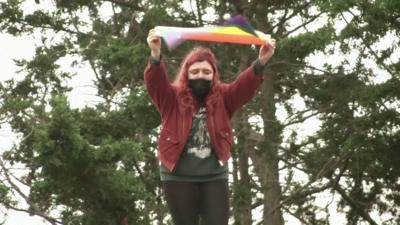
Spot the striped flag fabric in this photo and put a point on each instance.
(235, 30)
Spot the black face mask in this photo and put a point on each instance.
(200, 88)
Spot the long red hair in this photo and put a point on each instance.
(198, 54)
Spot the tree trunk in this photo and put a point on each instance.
(242, 196)
(272, 213)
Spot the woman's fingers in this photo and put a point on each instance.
(272, 42)
(152, 37)
(267, 50)
(154, 42)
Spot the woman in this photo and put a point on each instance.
(196, 135)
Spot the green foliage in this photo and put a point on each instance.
(76, 5)
(119, 58)
(5, 195)
(297, 48)
(10, 15)
(96, 180)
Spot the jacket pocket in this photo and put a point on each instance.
(226, 135)
(168, 141)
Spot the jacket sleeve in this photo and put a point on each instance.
(158, 86)
(242, 89)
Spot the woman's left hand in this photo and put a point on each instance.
(267, 51)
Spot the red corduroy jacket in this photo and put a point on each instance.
(176, 122)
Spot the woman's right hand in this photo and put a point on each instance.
(154, 42)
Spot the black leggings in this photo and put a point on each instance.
(190, 203)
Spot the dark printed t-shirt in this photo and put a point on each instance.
(198, 162)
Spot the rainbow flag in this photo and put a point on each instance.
(235, 30)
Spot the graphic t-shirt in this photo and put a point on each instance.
(198, 162)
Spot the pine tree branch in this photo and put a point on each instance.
(49, 219)
(353, 204)
(282, 62)
(252, 7)
(282, 21)
(128, 4)
(301, 193)
(144, 180)
(199, 12)
(55, 29)
(32, 205)
(327, 168)
(303, 221)
(13, 185)
(134, 29)
(300, 118)
(291, 165)
(290, 118)
(368, 46)
(286, 18)
(302, 25)
(241, 6)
